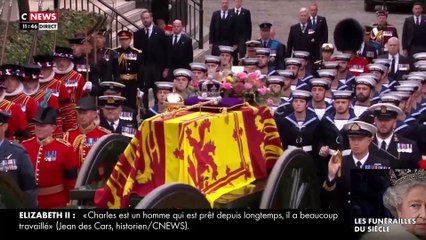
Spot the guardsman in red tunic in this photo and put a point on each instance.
(54, 160)
(43, 98)
(83, 137)
(18, 124)
(49, 83)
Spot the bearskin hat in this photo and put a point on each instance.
(348, 35)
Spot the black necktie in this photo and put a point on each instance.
(265, 44)
(393, 65)
(112, 126)
(223, 15)
(359, 164)
(303, 28)
(383, 145)
(417, 20)
(175, 40)
(238, 12)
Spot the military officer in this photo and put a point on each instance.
(251, 46)
(106, 60)
(130, 64)
(14, 161)
(382, 31)
(337, 183)
(110, 118)
(401, 152)
(164, 88)
(115, 89)
(83, 137)
(54, 161)
(277, 48)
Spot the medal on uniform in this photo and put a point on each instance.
(131, 56)
(23, 107)
(128, 131)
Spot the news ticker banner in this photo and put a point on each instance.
(44, 21)
(191, 221)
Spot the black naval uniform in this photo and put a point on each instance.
(402, 153)
(124, 127)
(81, 66)
(106, 66)
(15, 162)
(130, 65)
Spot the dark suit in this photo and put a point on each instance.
(15, 162)
(302, 41)
(222, 31)
(321, 30)
(154, 58)
(243, 27)
(179, 55)
(400, 70)
(413, 35)
(402, 153)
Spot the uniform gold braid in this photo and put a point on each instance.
(78, 144)
(122, 60)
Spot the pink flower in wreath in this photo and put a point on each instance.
(242, 76)
(270, 102)
(195, 84)
(252, 76)
(263, 90)
(227, 86)
(248, 86)
(239, 88)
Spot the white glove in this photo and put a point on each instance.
(88, 86)
(139, 93)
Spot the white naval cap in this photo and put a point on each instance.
(384, 61)
(404, 95)
(377, 67)
(250, 61)
(327, 73)
(226, 49)
(275, 79)
(164, 86)
(420, 65)
(301, 54)
(253, 43)
(342, 94)
(369, 75)
(319, 82)
(415, 77)
(211, 59)
(385, 110)
(342, 56)
(360, 128)
(263, 51)
(293, 61)
(419, 56)
(410, 83)
(390, 97)
(286, 73)
(406, 88)
(302, 94)
(182, 72)
(111, 85)
(197, 66)
(366, 81)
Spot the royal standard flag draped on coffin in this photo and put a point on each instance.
(214, 152)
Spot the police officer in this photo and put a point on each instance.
(110, 118)
(14, 161)
(401, 152)
(54, 161)
(130, 64)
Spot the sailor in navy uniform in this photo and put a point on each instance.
(305, 71)
(343, 73)
(115, 89)
(199, 71)
(288, 75)
(294, 65)
(213, 64)
(226, 56)
(300, 129)
(364, 90)
(250, 64)
(275, 85)
(15, 162)
(337, 183)
(111, 109)
(164, 88)
(330, 75)
(401, 152)
(381, 71)
(333, 134)
(263, 55)
(319, 87)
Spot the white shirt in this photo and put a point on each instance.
(238, 11)
(420, 19)
(361, 49)
(114, 124)
(396, 57)
(178, 37)
(223, 12)
(314, 18)
(358, 110)
(301, 26)
(380, 140)
(149, 30)
(362, 160)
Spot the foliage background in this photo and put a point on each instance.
(18, 43)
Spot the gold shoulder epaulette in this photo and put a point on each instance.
(139, 51)
(104, 129)
(60, 140)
